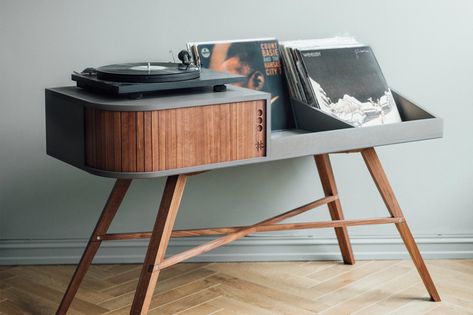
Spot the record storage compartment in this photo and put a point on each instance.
(318, 132)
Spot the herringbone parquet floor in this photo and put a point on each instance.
(369, 287)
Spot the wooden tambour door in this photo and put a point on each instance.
(150, 141)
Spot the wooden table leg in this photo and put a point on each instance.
(113, 203)
(329, 186)
(379, 176)
(158, 244)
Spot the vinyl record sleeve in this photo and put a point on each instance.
(259, 61)
(347, 82)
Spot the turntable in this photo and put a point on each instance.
(133, 80)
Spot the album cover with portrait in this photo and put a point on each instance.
(259, 61)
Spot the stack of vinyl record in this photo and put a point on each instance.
(341, 77)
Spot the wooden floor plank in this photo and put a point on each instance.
(335, 270)
(185, 303)
(270, 298)
(125, 276)
(201, 309)
(378, 292)
(31, 303)
(6, 274)
(168, 290)
(10, 308)
(265, 273)
(361, 286)
(348, 283)
(449, 309)
(306, 268)
(230, 306)
(47, 277)
(52, 295)
(414, 307)
(394, 301)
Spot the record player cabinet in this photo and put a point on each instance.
(181, 135)
(121, 138)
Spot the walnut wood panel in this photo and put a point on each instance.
(153, 141)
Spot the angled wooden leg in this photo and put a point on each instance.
(113, 203)
(330, 189)
(379, 176)
(158, 243)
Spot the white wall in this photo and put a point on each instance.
(47, 208)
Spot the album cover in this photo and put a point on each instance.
(299, 85)
(259, 61)
(347, 82)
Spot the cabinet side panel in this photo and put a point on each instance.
(91, 158)
(65, 129)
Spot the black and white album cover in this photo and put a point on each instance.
(347, 82)
(259, 61)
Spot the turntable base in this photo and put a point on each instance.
(136, 90)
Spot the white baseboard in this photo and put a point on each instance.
(252, 248)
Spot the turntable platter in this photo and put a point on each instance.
(147, 72)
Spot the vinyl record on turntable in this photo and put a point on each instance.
(147, 72)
